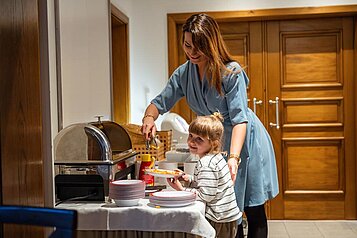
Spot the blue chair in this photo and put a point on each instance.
(64, 221)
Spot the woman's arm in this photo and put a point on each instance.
(162, 103)
(237, 141)
(149, 128)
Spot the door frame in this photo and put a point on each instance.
(119, 37)
(174, 20)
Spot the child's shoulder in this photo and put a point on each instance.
(211, 160)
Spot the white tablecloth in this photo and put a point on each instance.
(144, 217)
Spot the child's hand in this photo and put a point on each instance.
(183, 177)
(175, 183)
(186, 177)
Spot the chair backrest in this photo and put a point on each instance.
(64, 221)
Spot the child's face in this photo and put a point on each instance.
(198, 145)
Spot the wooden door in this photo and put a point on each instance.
(310, 71)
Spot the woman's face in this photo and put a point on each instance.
(194, 55)
(198, 145)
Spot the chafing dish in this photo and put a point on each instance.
(90, 155)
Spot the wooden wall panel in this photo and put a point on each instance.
(21, 114)
(311, 24)
(317, 168)
(306, 210)
(238, 45)
(24, 89)
(316, 55)
(313, 112)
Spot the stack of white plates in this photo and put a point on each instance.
(172, 198)
(127, 192)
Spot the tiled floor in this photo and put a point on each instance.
(312, 229)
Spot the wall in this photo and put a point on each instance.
(85, 62)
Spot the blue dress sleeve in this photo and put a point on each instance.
(170, 94)
(235, 87)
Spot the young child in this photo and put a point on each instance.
(211, 181)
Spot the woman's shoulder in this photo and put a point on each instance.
(181, 70)
(234, 66)
(231, 79)
(183, 66)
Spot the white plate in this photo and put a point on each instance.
(172, 204)
(173, 195)
(126, 196)
(133, 182)
(163, 173)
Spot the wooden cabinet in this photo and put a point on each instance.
(302, 77)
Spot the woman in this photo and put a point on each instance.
(211, 81)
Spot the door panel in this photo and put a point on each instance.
(306, 70)
(244, 41)
(315, 54)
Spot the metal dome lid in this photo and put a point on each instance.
(92, 143)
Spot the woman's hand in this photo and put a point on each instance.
(175, 183)
(233, 168)
(148, 128)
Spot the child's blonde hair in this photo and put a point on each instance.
(210, 127)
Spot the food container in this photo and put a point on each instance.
(90, 155)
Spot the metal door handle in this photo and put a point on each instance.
(276, 102)
(255, 103)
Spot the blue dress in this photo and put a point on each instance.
(257, 179)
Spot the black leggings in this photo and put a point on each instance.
(257, 223)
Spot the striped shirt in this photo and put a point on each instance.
(213, 185)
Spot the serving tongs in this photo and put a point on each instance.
(153, 143)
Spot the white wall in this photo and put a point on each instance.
(148, 38)
(85, 62)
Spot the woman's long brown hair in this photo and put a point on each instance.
(207, 38)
